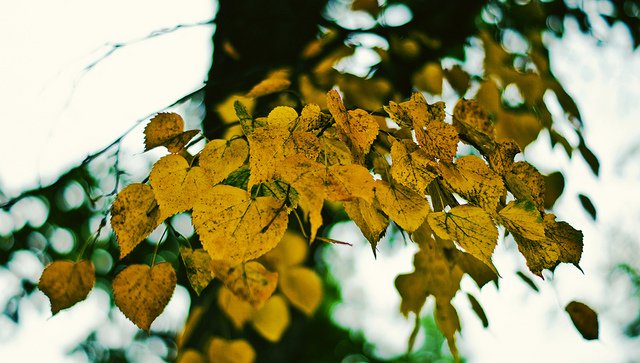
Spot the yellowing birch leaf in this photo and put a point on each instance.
(272, 319)
(199, 267)
(304, 143)
(473, 125)
(250, 281)
(404, 206)
(371, 222)
(282, 116)
(360, 128)
(333, 151)
(523, 218)
(236, 309)
(307, 178)
(269, 86)
(292, 250)
(230, 351)
(220, 158)
(429, 78)
(235, 228)
(167, 129)
(302, 287)
(525, 182)
(501, 158)
(523, 128)
(562, 243)
(584, 319)
(191, 356)
(439, 140)
(448, 322)
(134, 215)
(347, 182)
(175, 184)
(267, 152)
(311, 118)
(65, 283)
(142, 293)
(470, 227)
(475, 181)
(410, 166)
(458, 79)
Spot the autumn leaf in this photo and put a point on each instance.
(272, 319)
(269, 86)
(470, 227)
(411, 167)
(368, 218)
(429, 78)
(477, 308)
(233, 227)
(526, 183)
(176, 185)
(191, 356)
(347, 182)
(358, 127)
(199, 267)
(134, 215)
(439, 140)
(67, 282)
(167, 129)
(523, 218)
(239, 311)
(562, 243)
(333, 151)
(302, 287)
(501, 157)
(404, 206)
(474, 125)
(475, 181)
(448, 322)
(250, 281)
(230, 351)
(220, 158)
(458, 79)
(312, 119)
(142, 292)
(290, 251)
(584, 319)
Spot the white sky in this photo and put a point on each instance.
(53, 114)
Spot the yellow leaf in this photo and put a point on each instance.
(458, 79)
(522, 217)
(360, 128)
(302, 287)
(470, 227)
(347, 182)
(410, 166)
(233, 227)
(175, 184)
(584, 319)
(371, 222)
(307, 178)
(367, 93)
(191, 356)
(269, 86)
(236, 309)
(489, 97)
(292, 250)
(67, 282)
(249, 281)
(525, 182)
(563, 243)
(272, 319)
(226, 109)
(404, 206)
(310, 92)
(523, 127)
(282, 116)
(333, 151)
(134, 215)
(473, 125)
(230, 351)
(448, 322)
(142, 293)
(220, 158)
(304, 143)
(439, 140)
(166, 129)
(199, 267)
(475, 181)
(501, 158)
(429, 78)
(311, 118)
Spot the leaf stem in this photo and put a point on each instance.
(155, 251)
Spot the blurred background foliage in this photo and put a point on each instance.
(375, 52)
